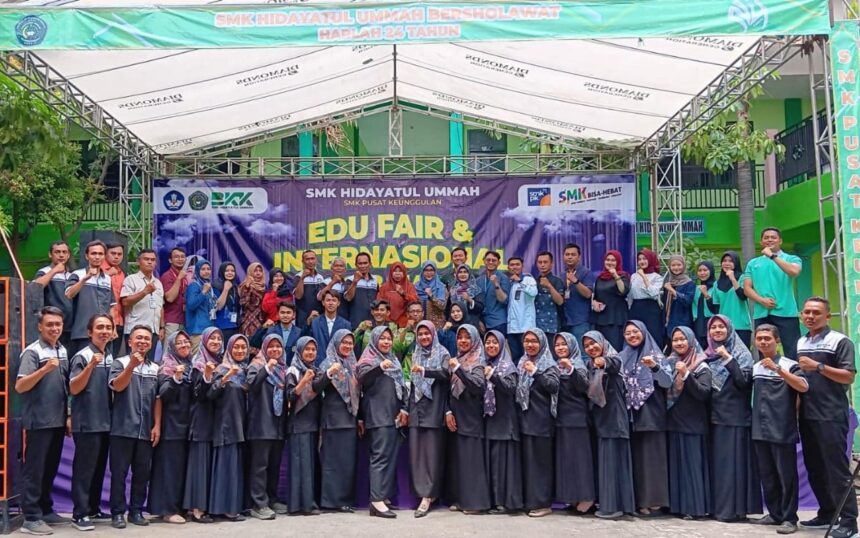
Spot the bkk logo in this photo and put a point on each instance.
(750, 14)
(31, 30)
(232, 200)
(539, 197)
(173, 201)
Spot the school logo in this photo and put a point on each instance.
(539, 197)
(174, 200)
(198, 201)
(749, 14)
(31, 30)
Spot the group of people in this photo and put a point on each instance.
(514, 391)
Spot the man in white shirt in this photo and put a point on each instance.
(142, 297)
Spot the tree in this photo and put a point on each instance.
(722, 145)
(41, 176)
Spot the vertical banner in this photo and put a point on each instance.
(845, 62)
(410, 220)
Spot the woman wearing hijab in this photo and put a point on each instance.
(537, 397)
(503, 426)
(427, 405)
(703, 303)
(200, 426)
(729, 297)
(280, 289)
(466, 419)
(611, 424)
(448, 333)
(734, 480)
(229, 392)
(399, 292)
(251, 292)
(340, 397)
(465, 293)
(646, 382)
(574, 476)
(227, 305)
(609, 300)
(302, 427)
(678, 292)
(432, 294)
(169, 462)
(383, 402)
(267, 415)
(646, 285)
(199, 302)
(687, 422)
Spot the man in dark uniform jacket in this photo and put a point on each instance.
(827, 359)
(43, 388)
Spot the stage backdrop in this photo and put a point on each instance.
(409, 220)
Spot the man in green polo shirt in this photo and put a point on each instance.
(769, 285)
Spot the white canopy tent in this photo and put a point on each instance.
(619, 91)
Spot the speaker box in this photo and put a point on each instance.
(17, 327)
(108, 236)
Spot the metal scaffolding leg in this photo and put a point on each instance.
(829, 230)
(666, 213)
(395, 131)
(135, 184)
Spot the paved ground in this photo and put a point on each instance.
(440, 524)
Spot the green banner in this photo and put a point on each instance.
(845, 62)
(401, 22)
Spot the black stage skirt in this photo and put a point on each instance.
(574, 466)
(650, 470)
(735, 485)
(506, 474)
(473, 484)
(167, 484)
(427, 461)
(337, 462)
(303, 469)
(689, 481)
(538, 473)
(227, 486)
(615, 476)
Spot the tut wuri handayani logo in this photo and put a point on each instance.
(31, 30)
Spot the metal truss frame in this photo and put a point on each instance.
(752, 69)
(832, 256)
(667, 237)
(393, 166)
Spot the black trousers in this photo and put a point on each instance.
(118, 343)
(825, 446)
(88, 472)
(515, 342)
(41, 461)
(789, 332)
(777, 468)
(264, 471)
(135, 454)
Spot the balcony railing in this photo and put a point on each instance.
(701, 189)
(799, 163)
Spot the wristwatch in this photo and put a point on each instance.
(774, 256)
(820, 367)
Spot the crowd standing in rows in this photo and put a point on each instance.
(610, 392)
